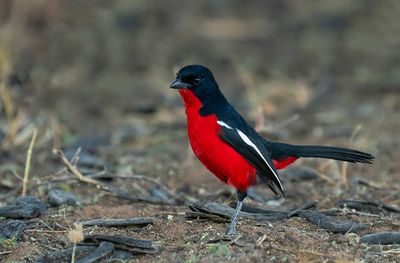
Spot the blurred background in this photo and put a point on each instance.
(96, 75)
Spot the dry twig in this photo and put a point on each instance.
(109, 188)
(72, 169)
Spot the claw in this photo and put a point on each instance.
(231, 231)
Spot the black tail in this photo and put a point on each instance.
(336, 153)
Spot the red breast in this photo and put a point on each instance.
(219, 158)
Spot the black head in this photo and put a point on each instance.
(196, 78)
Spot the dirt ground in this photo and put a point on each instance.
(95, 75)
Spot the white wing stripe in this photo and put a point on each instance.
(250, 143)
(221, 123)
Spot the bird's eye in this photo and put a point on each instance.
(197, 81)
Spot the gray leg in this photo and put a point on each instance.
(232, 227)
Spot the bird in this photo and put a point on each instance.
(231, 149)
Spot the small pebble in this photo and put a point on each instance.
(12, 229)
(159, 193)
(29, 199)
(58, 197)
(20, 211)
(300, 173)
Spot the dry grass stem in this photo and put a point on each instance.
(75, 235)
(343, 173)
(7, 102)
(13, 128)
(28, 163)
(326, 178)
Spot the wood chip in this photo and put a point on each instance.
(135, 221)
(383, 238)
(328, 223)
(104, 250)
(125, 243)
(248, 211)
(66, 254)
(368, 206)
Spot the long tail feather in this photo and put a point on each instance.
(336, 153)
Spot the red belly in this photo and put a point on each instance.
(220, 158)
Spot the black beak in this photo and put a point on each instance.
(178, 84)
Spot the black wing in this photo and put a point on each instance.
(251, 147)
